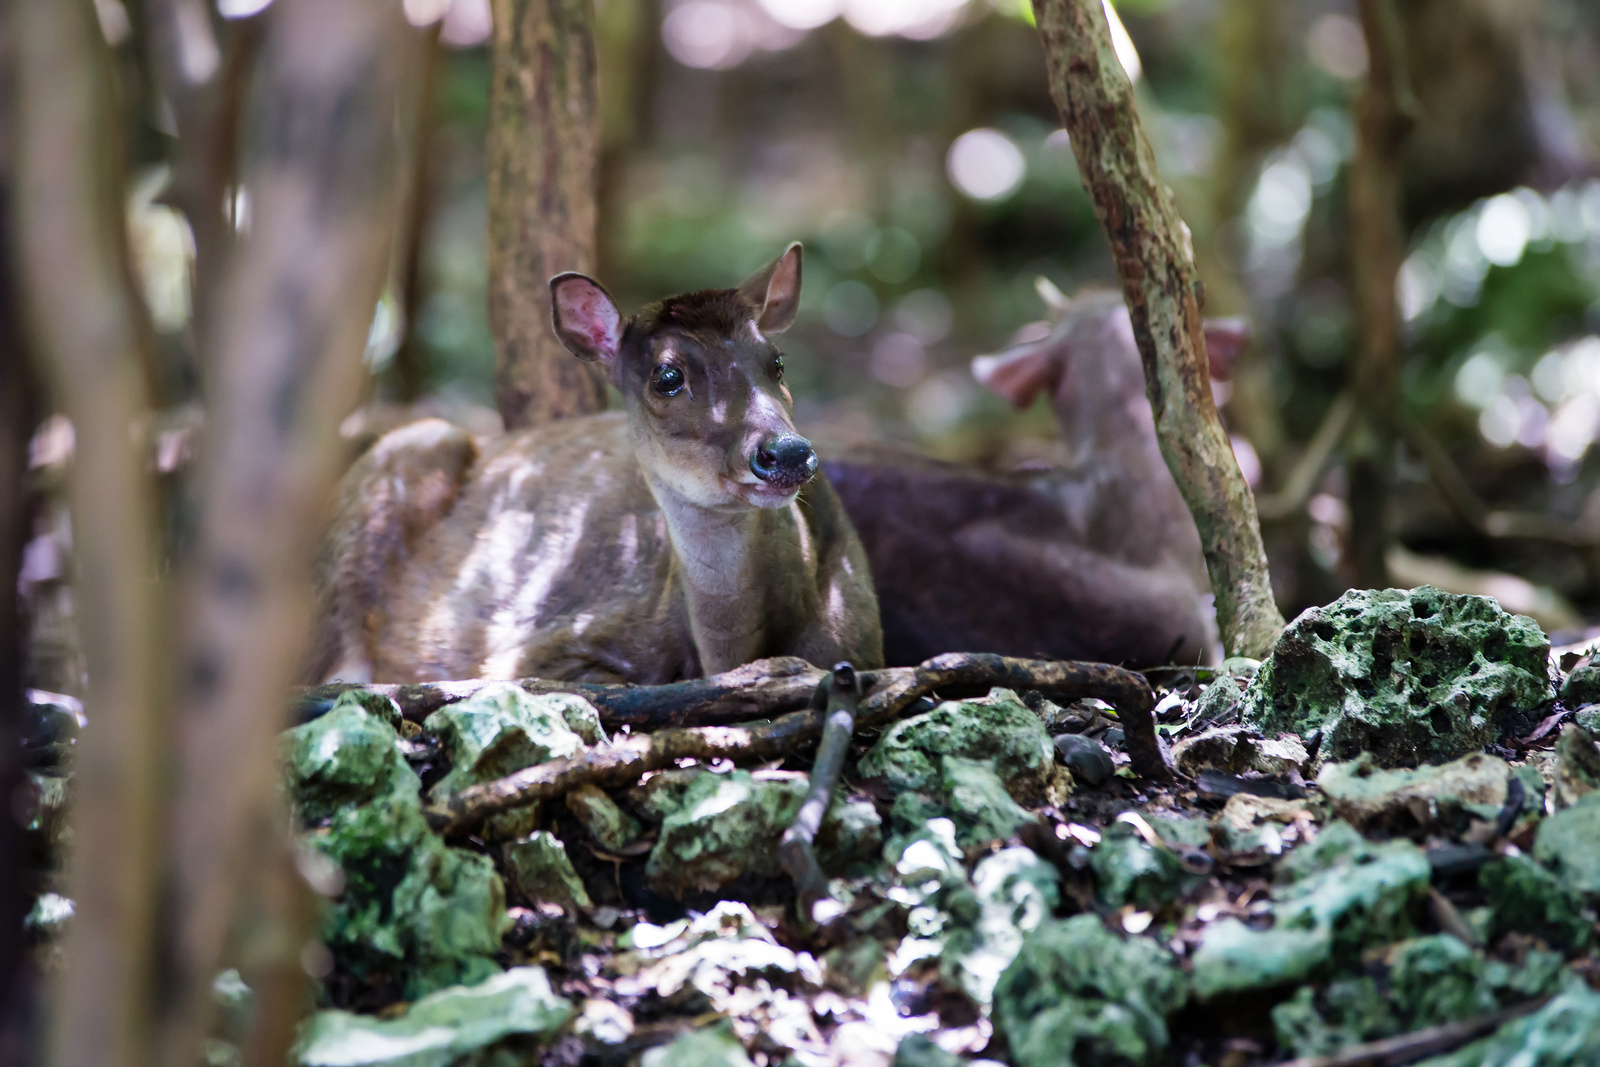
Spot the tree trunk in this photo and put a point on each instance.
(87, 330)
(543, 161)
(285, 368)
(1377, 246)
(1155, 262)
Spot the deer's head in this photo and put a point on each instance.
(703, 381)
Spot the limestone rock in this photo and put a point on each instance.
(1525, 897)
(1015, 891)
(501, 729)
(1565, 843)
(1405, 675)
(997, 728)
(1236, 749)
(1442, 798)
(610, 826)
(439, 1029)
(712, 1047)
(346, 757)
(539, 870)
(727, 826)
(1565, 1031)
(1075, 986)
(1577, 766)
(1582, 686)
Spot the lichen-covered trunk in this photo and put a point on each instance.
(544, 157)
(89, 334)
(1377, 246)
(1156, 264)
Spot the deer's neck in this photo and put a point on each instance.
(723, 578)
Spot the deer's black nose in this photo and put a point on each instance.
(786, 461)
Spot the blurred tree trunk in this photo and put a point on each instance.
(88, 330)
(1155, 262)
(17, 418)
(285, 362)
(1377, 246)
(410, 368)
(543, 160)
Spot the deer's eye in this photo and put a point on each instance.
(666, 379)
(777, 367)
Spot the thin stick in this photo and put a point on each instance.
(842, 692)
(895, 692)
(1419, 1043)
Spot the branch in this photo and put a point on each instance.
(757, 690)
(841, 693)
(894, 691)
(1151, 249)
(89, 332)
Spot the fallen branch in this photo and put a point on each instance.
(840, 692)
(893, 693)
(1431, 1041)
(757, 690)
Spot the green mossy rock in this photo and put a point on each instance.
(1444, 798)
(611, 827)
(1563, 1033)
(1014, 891)
(727, 826)
(347, 757)
(998, 729)
(1528, 899)
(1566, 844)
(714, 1046)
(1436, 980)
(1127, 870)
(1420, 675)
(501, 729)
(1351, 1010)
(1079, 995)
(918, 1050)
(1344, 894)
(413, 911)
(1582, 686)
(439, 1029)
(539, 870)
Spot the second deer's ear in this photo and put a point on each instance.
(775, 289)
(585, 317)
(1019, 374)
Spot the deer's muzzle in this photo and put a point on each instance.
(786, 461)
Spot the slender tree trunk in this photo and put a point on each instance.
(544, 155)
(88, 329)
(1154, 258)
(285, 368)
(1377, 246)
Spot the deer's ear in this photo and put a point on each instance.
(775, 289)
(1225, 339)
(1019, 374)
(585, 317)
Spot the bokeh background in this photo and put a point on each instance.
(912, 145)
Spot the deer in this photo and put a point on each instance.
(1097, 559)
(688, 533)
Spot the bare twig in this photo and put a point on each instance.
(285, 363)
(1407, 1048)
(1151, 248)
(841, 692)
(893, 693)
(1303, 479)
(88, 329)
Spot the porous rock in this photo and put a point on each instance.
(1565, 1031)
(1130, 870)
(1236, 749)
(439, 1029)
(1527, 898)
(998, 729)
(728, 826)
(1577, 765)
(1015, 891)
(1405, 675)
(714, 1046)
(501, 729)
(1445, 797)
(1348, 1011)
(610, 826)
(1077, 990)
(918, 1050)
(1582, 687)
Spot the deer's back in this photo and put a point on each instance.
(551, 559)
